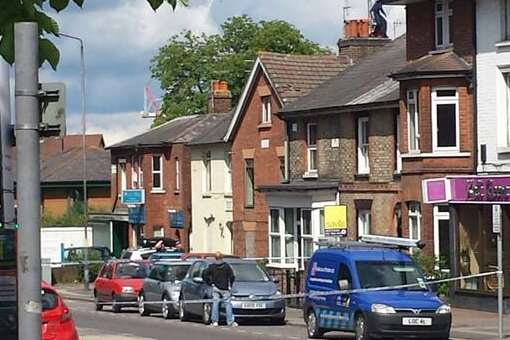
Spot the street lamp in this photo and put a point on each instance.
(84, 145)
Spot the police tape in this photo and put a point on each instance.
(312, 294)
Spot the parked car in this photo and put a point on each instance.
(254, 293)
(414, 312)
(210, 256)
(171, 255)
(137, 254)
(163, 284)
(77, 254)
(57, 320)
(119, 283)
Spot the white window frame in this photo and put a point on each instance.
(506, 77)
(275, 259)
(207, 170)
(266, 109)
(140, 172)
(414, 213)
(252, 187)
(364, 216)
(309, 237)
(311, 148)
(445, 101)
(398, 155)
(123, 176)
(363, 149)
(505, 20)
(228, 173)
(413, 100)
(134, 173)
(177, 174)
(438, 216)
(157, 172)
(446, 15)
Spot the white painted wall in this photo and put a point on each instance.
(52, 238)
(215, 236)
(492, 62)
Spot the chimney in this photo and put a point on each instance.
(358, 41)
(220, 97)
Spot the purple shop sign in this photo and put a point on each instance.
(469, 189)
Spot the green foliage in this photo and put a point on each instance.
(187, 64)
(430, 266)
(73, 217)
(12, 11)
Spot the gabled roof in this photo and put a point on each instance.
(290, 76)
(435, 64)
(193, 129)
(366, 83)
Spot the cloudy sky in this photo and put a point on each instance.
(121, 37)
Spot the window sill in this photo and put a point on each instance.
(504, 46)
(282, 265)
(228, 195)
(442, 49)
(361, 177)
(503, 150)
(158, 191)
(177, 192)
(264, 126)
(207, 195)
(311, 175)
(437, 154)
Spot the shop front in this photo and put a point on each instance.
(479, 208)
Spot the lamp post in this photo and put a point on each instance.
(84, 146)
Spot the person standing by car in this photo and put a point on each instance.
(221, 277)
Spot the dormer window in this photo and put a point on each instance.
(444, 23)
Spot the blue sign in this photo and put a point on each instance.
(133, 197)
(136, 215)
(177, 219)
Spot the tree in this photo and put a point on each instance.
(12, 11)
(188, 63)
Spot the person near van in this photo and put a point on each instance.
(221, 277)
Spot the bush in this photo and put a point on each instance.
(430, 266)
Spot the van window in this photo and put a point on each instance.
(344, 274)
(374, 274)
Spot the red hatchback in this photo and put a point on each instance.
(119, 283)
(57, 321)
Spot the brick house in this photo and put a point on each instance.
(159, 162)
(342, 141)
(258, 138)
(437, 112)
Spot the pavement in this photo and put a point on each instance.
(92, 325)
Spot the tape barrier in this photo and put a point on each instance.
(314, 293)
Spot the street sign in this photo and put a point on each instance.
(136, 215)
(176, 219)
(496, 219)
(335, 220)
(133, 197)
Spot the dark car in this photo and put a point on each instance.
(77, 254)
(254, 293)
(162, 285)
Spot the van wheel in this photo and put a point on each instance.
(99, 306)
(312, 325)
(361, 329)
(183, 315)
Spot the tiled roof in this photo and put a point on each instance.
(193, 129)
(296, 75)
(67, 166)
(362, 84)
(435, 63)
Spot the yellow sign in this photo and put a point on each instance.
(335, 217)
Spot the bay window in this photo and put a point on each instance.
(363, 143)
(444, 23)
(413, 119)
(445, 120)
(311, 139)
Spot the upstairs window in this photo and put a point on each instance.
(311, 139)
(363, 143)
(266, 109)
(249, 179)
(207, 173)
(506, 20)
(445, 120)
(177, 175)
(123, 174)
(444, 23)
(140, 172)
(157, 172)
(413, 119)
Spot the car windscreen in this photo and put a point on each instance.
(131, 270)
(49, 300)
(176, 272)
(374, 274)
(249, 272)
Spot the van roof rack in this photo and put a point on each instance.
(373, 241)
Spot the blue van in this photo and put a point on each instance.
(414, 312)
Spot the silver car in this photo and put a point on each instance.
(161, 289)
(254, 294)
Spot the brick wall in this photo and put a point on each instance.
(250, 224)
(56, 201)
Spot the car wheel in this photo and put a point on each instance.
(312, 325)
(165, 308)
(99, 306)
(183, 315)
(361, 329)
(206, 313)
(116, 307)
(142, 309)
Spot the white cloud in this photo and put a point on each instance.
(114, 127)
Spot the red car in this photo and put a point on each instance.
(119, 283)
(57, 321)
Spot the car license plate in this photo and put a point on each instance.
(253, 305)
(417, 321)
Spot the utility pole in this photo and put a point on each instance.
(26, 51)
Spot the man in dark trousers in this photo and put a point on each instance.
(221, 277)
